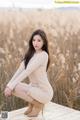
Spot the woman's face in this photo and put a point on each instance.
(37, 43)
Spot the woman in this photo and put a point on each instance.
(34, 65)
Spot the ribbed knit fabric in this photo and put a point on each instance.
(39, 87)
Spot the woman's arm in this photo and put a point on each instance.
(18, 72)
(35, 62)
(20, 69)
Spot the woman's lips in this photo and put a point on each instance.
(35, 46)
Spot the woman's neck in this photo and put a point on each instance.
(38, 51)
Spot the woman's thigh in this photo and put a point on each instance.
(22, 91)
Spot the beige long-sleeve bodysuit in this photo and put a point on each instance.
(39, 87)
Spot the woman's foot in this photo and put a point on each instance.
(29, 109)
(37, 107)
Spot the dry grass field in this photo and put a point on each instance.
(63, 31)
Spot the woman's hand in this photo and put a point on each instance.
(7, 92)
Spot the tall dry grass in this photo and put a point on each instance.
(63, 32)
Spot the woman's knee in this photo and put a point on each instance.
(16, 89)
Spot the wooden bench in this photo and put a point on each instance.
(52, 111)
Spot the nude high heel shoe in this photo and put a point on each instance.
(37, 107)
(30, 106)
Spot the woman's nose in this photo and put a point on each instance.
(35, 42)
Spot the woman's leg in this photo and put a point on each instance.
(21, 91)
(37, 107)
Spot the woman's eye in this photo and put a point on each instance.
(39, 40)
(33, 40)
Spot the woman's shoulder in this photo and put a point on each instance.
(44, 55)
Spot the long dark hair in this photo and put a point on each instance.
(31, 49)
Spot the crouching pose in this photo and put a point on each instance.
(34, 65)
